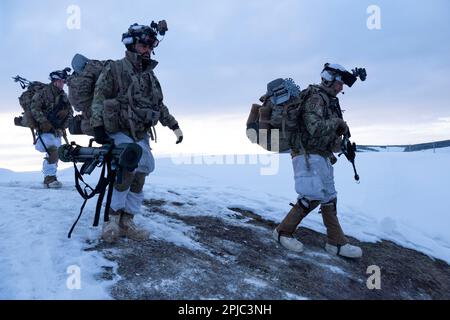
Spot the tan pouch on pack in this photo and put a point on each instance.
(254, 114)
(264, 117)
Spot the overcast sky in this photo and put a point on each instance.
(218, 56)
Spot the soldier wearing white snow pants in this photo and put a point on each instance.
(128, 196)
(127, 104)
(49, 143)
(52, 112)
(313, 161)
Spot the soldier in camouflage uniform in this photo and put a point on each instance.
(128, 103)
(313, 166)
(52, 112)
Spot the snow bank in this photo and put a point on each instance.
(37, 260)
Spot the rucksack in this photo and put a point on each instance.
(26, 119)
(274, 125)
(81, 86)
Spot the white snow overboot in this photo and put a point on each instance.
(52, 183)
(130, 230)
(289, 243)
(111, 229)
(347, 251)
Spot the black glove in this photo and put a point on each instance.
(100, 136)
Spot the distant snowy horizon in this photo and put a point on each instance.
(207, 134)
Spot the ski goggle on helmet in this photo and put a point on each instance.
(336, 72)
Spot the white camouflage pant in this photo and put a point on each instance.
(129, 201)
(317, 182)
(51, 141)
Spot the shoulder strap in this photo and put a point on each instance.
(322, 94)
(325, 98)
(117, 75)
(129, 92)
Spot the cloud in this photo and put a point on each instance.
(219, 55)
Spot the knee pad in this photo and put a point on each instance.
(307, 205)
(127, 180)
(138, 183)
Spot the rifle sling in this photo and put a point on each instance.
(42, 141)
(34, 136)
(109, 196)
(107, 182)
(103, 183)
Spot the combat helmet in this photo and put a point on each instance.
(144, 34)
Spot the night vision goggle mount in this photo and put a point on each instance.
(145, 34)
(160, 27)
(349, 78)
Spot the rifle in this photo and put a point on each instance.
(348, 149)
(112, 159)
(52, 115)
(24, 83)
(21, 120)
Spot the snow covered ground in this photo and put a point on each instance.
(402, 197)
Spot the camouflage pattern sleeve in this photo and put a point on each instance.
(70, 114)
(315, 124)
(36, 107)
(104, 89)
(167, 119)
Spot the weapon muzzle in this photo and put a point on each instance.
(129, 158)
(66, 153)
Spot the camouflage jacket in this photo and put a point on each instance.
(125, 80)
(319, 122)
(47, 102)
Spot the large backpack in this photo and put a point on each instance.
(274, 125)
(81, 91)
(26, 119)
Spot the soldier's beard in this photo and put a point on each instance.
(145, 60)
(329, 87)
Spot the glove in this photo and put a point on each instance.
(100, 136)
(179, 135)
(342, 127)
(45, 126)
(333, 160)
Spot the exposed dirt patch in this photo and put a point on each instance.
(239, 260)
